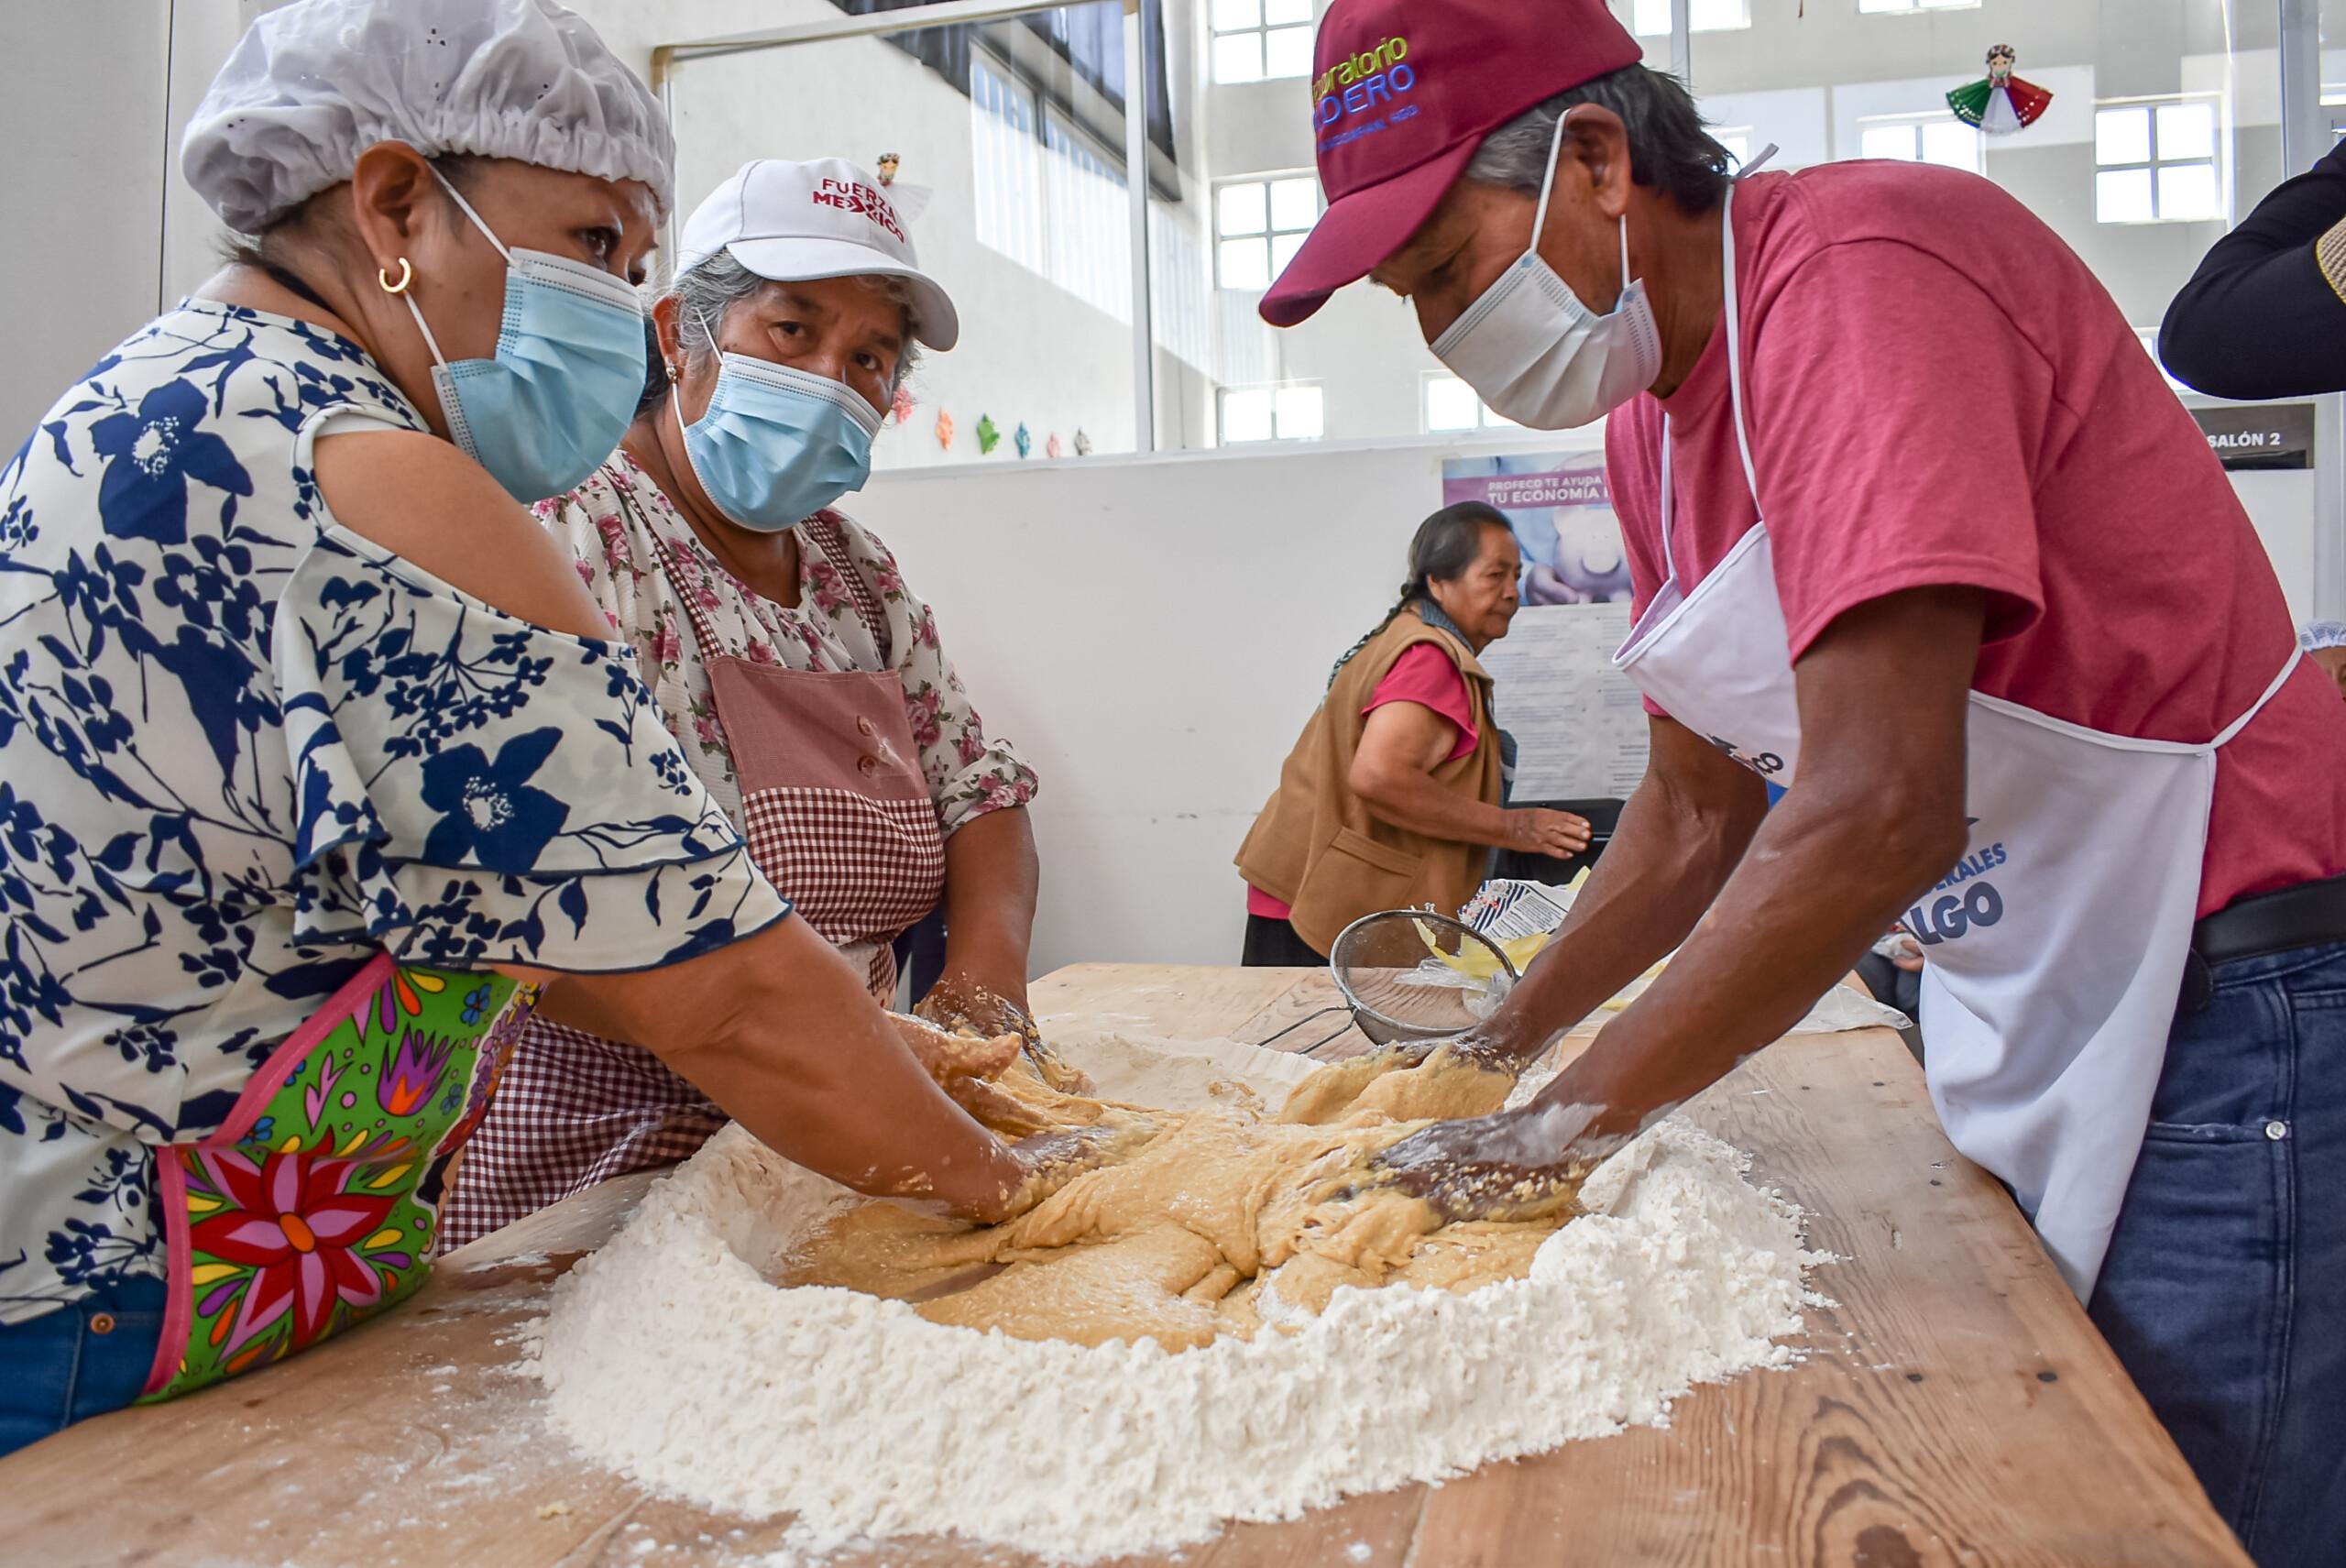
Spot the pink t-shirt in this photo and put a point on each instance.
(1427, 676)
(1940, 393)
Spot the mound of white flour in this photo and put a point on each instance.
(669, 1356)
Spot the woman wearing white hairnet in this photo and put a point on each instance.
(317, 762)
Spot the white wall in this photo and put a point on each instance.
(81, 115)
(1153, 634)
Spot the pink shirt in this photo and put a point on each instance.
(1425, 675)
(1942, 394)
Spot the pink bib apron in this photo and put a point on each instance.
(837, 812)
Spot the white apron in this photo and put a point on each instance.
(2056, 944)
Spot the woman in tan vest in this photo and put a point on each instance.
(1395, 795)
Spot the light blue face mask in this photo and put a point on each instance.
(568, 373)
(777, 445)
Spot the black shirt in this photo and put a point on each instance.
(2261, 318)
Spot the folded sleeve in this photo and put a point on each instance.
(1896, 446)
(477, 790)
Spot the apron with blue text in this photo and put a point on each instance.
(2056, 944)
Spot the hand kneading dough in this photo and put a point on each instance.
(1221, 1222)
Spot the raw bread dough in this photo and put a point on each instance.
(1221, 1221)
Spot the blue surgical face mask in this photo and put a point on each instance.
(551, 406)
(777, 445)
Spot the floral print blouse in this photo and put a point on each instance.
(244, 750)
(969, 775)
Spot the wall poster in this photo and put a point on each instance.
(1581, 725)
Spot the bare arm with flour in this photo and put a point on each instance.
(1876, 818)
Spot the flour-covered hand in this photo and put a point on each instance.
(950, 1054)
(961, 1005)
(1051, 1160)
(1513, 1165)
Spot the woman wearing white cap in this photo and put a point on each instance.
(315, 756)
(802, 679)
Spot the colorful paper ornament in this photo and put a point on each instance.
(944, 431)
(2000, 103)
(903, 410)
(1024, 440)
(1082, 443)
(910, 201)
(1052, 448)
(989, 435)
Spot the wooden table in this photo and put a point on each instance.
(1954, 1406)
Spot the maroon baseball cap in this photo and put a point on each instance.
(1403, 92)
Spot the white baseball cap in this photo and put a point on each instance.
(794, 222)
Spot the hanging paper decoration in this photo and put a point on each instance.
(2000, 102)
(1024, 440)
(1052, 448)
(944, 431)
(1082, 443)
(989, 435)
(903, 410)
(911, 200)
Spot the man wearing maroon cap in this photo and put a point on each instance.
(2004, 632)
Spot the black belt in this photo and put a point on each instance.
(2307, 916)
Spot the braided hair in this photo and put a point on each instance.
(1446, 544)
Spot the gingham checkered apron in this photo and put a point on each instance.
(836, 811)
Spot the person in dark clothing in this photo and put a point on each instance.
(2265, 314)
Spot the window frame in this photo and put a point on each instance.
(1277, 437)
(1271, 232)
(1486, 417)
(1916, 122)
(2218, 159)
(1638, 27)
(1916, 7)
(1260, 29)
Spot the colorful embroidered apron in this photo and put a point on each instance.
(316, 1204)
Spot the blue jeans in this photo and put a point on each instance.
(78, 1360)
(2225, 1289)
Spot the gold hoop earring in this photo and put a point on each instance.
(406, 276)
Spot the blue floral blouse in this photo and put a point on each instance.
(242, 750)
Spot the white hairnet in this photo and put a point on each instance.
(312, 85)
(2317, 635)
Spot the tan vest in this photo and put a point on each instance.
(1318, 848)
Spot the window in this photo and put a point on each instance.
(1048, 195)
(1451, 405)
(1261, 40)
(1259, 224)
(1009, 173)
(1294, 412)
(1934, 137)
(1091, 238)
(1652, 17)
(1736, 139)
(1880, 7)
(2156, 162)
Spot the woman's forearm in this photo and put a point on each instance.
(1414, 803)
(779, 1030)
(991, 880)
